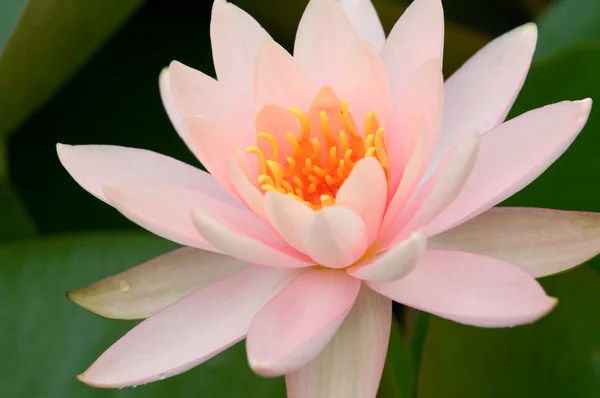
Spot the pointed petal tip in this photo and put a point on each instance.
(530, 28)
(586, 105)
(61, 148)
(83, 378)
(261, 368)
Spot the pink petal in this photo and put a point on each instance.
(539, 241)
(166, 210)
(246, 245)
(420, 104)
(513, 155)
(364, 83)
(197, 94)
(279, 79)
(480, 94)
(365, 193)
(288, 216)
(189, 332)
(292, 328)
(394, 263)
(235, 39)
(95, 165)
(334, 237)
(438, 192)
(164, 85)
(363, 17)
(248, 192)
(470, 289)
(410, 177)
(214, 142)
(323, 38)
(276, 121)
(351, 365)
(417, 37)
(142, 291)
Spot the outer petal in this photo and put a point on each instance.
(189, 332)
(324, 37)
(297, 323)
(334, 237)
(248, 248)
(363, 82)
(480, 94)
(393, 264)
(511, 156)
(365, 193)
(166, 210)
(363, 17)
(248, 192)
(470, 289)
(164, 85)
(438, 192)
(419, 111)
(279, 79)
(417, 36)
(197, 94)
(214, 142)
(235, 39)
(351, 365)
(95, 165)
(143, 290)
(539, 241)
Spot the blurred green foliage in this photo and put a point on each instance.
(568, 22)
(45, 98)
(9, 15)
(559, 356)
(52, 40)
(46, 341)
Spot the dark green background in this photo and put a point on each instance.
(102, 89)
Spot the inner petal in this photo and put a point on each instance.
(320, 156)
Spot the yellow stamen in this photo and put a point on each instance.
(316, 166)
(304, 124)
(273, 142)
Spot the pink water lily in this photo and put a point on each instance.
(341, 178)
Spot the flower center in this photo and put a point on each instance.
(320, 161)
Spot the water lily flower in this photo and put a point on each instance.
(342, 177)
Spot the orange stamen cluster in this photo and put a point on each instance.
(318, 166)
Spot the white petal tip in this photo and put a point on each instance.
(61, 148)
(263, 368)
(83, 378)
(530, 27)
(586, 105)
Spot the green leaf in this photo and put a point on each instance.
(559, 356)
(51, 41)
(47, 341)
(567, 22)
(15, 222)
(399, 371)
(9, 15)
(113, 100)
